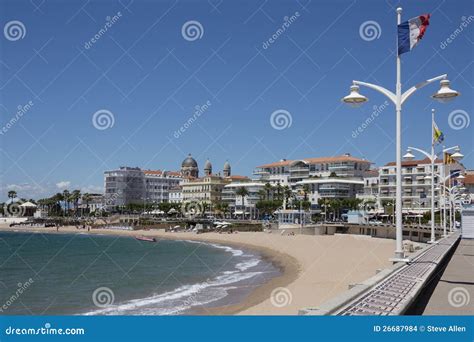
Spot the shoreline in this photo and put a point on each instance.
(314, 268)
(286, 264)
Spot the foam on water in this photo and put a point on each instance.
(190, 295)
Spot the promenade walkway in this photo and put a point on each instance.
(454, 292)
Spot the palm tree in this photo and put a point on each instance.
(287, 194)
(261, 194)
(86, 198)
(66, 199)
(12, 195)
(58, 198)
(75, 196)
(279, 191)
(268, 188)
(306, 190)
(242, 192)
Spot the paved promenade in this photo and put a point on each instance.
(454, 293)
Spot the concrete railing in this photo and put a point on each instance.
(391, 291)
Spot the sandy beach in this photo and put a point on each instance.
(314, 268)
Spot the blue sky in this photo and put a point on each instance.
(150, 79)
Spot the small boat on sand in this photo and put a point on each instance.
(145, 238)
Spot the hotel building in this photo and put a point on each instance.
(416, 183)
(132, 185)
(158, 184)
(211, 188)
(206, 189)
(247, 205)
(371, 187)
(327, 177)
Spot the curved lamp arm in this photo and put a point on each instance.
(422, 152)
(420, 85)
(447, 150)
(392, 97)
(443, 179)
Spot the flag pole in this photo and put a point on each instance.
(443, 178)
(433, 156)
(399, 252)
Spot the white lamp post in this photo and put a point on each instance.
(444, 94)
(442, 180)
(432, 157)
(452, 193)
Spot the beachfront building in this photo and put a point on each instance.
(176, 194)
(210, 188)
(206, 189)
(290, 172)
(243, 206)
(92, 203)
(468, 183)
(158, 184)
(325, 177)
(124, 186)
(416, 182)
(370, 192)
(132, 185)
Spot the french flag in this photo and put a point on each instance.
(410, 32)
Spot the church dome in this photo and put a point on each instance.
(226, 166)
(207, 165)
(189, 162)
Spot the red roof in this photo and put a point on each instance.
(320, 160)
(237, 177)
(160, 172)
(469, 178)
(415, 162)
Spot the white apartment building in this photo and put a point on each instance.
(176, 194)
(128, 185)
(327, 177)
(416, 186)
(247, 206)
(370, 191)
(158, 184)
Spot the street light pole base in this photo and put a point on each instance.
(395, 260)
(399, 257)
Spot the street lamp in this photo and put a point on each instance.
(355, 99)
(444, 94)
(432, 157)
(448, 195)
